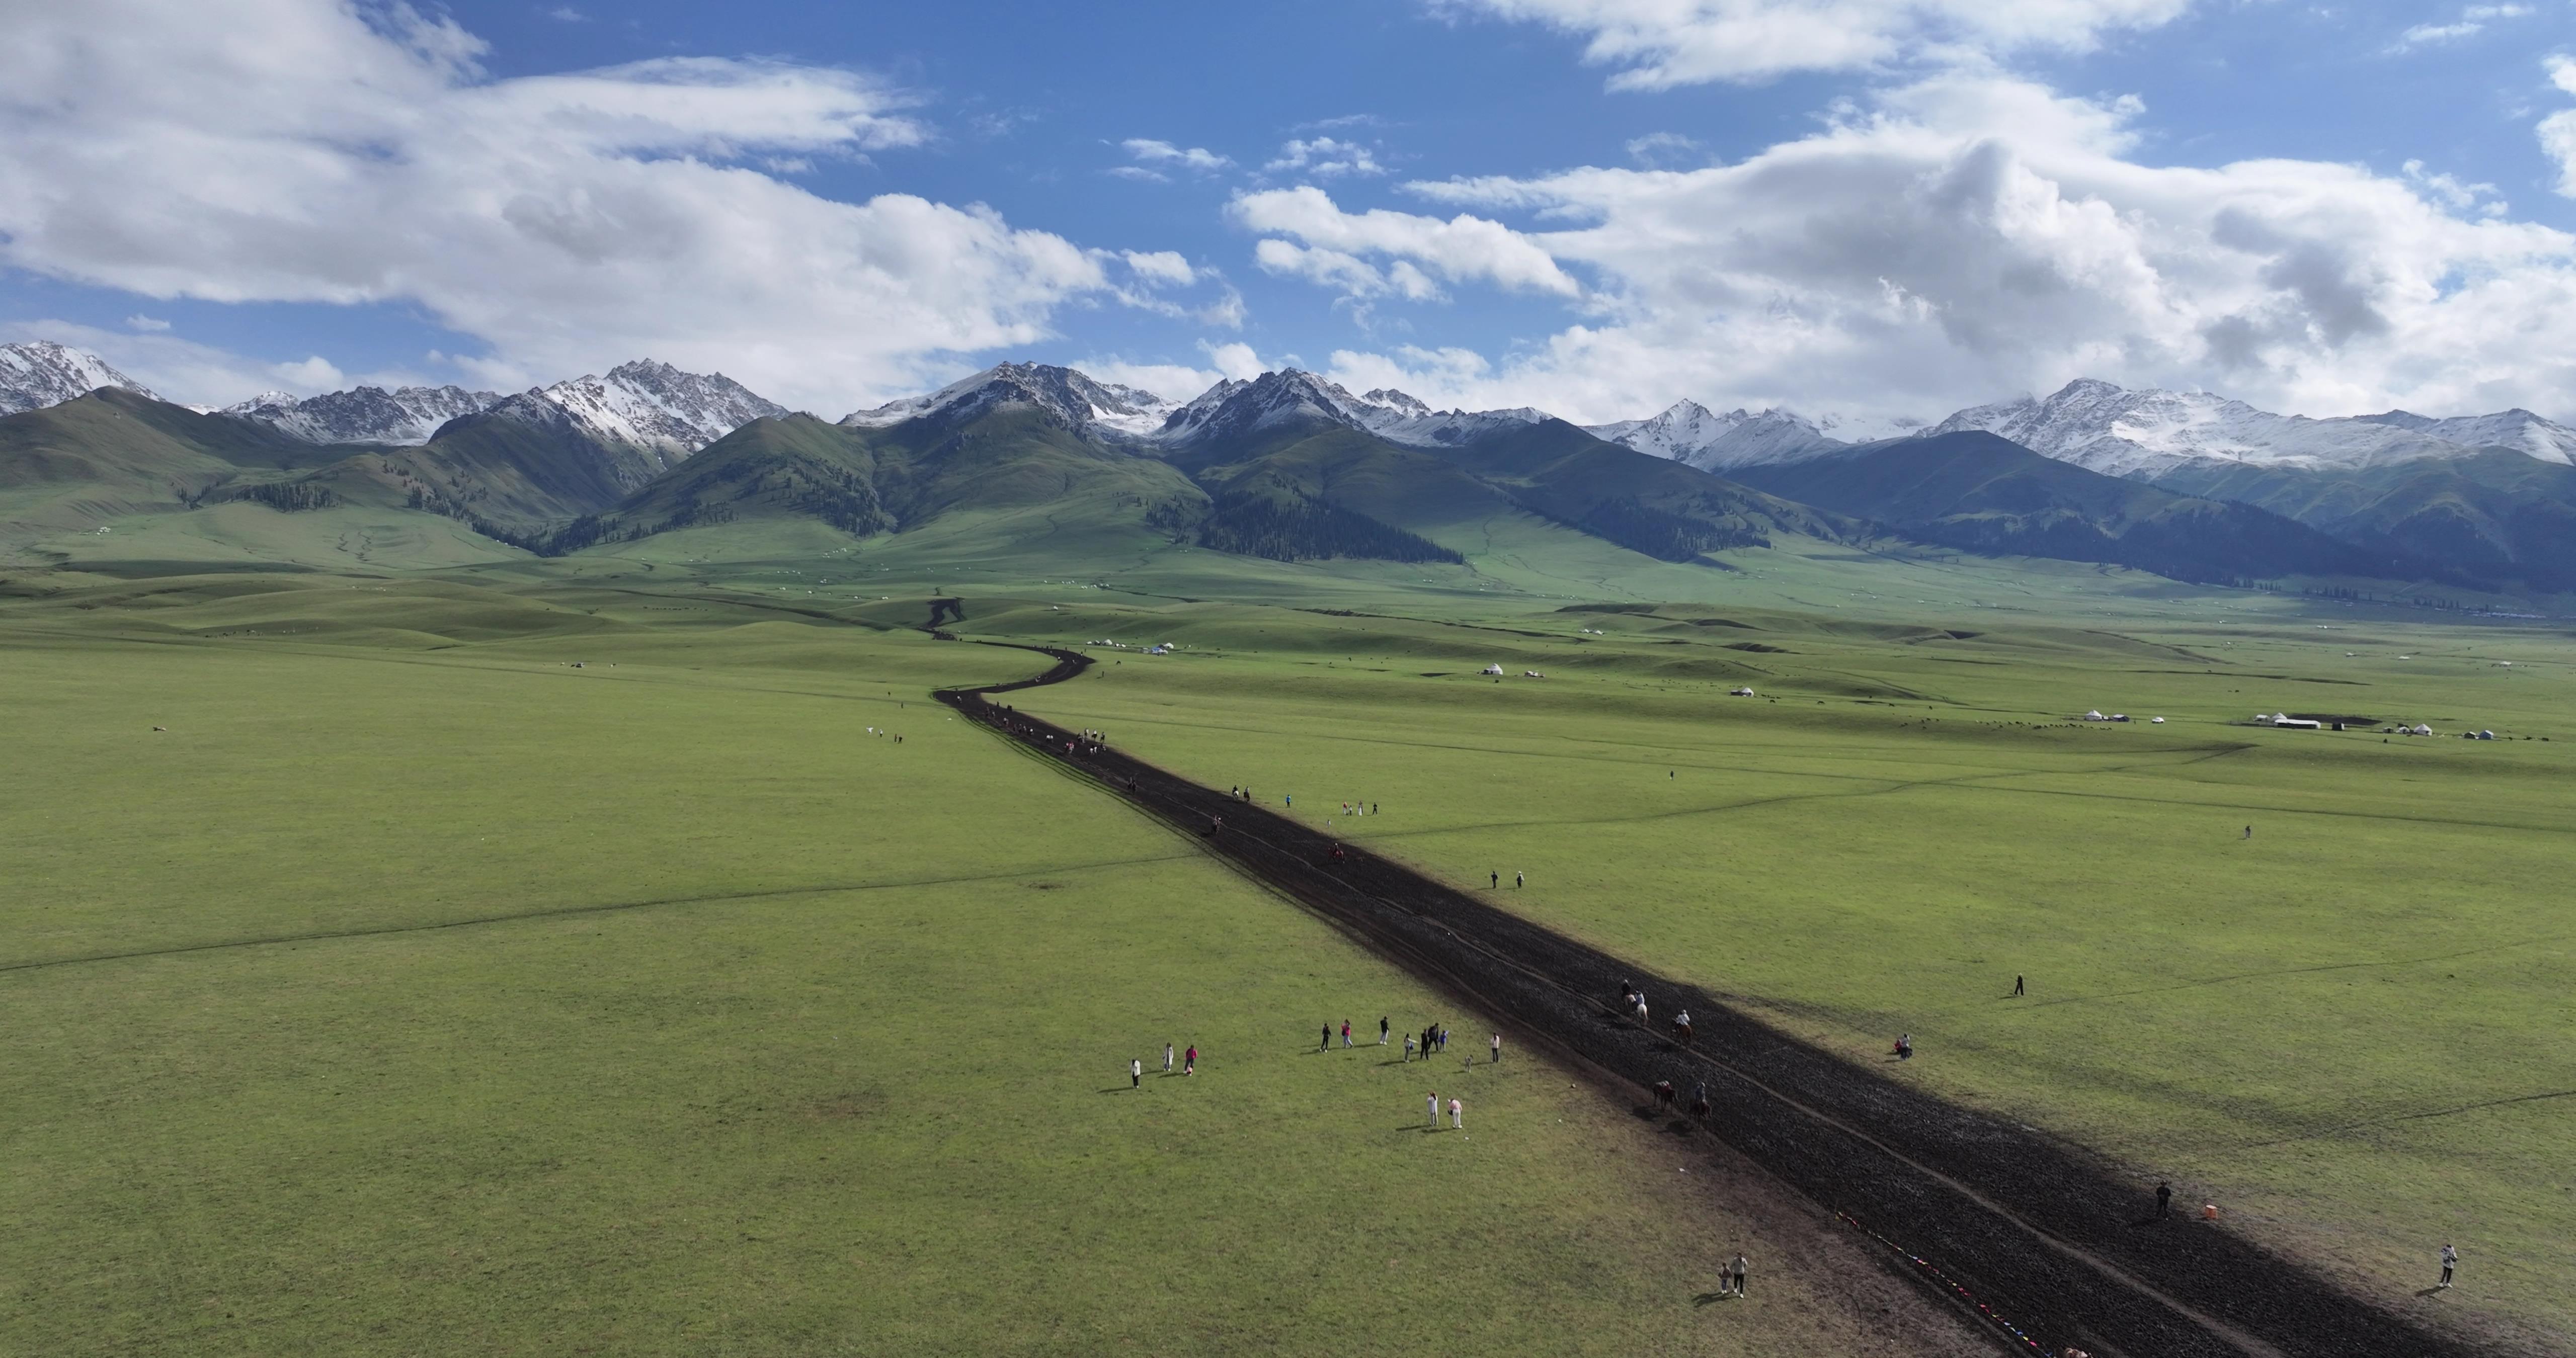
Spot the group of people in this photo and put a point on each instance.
(1457, 1113)
(1189, 1065)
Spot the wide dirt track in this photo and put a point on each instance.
(2045, 1245)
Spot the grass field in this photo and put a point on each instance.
(2351, 1030)
(416, 991)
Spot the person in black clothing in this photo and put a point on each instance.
(2017, 986)
(1497, 879)
(1327, 1043)
(2164, 1199)
(1381, 1030)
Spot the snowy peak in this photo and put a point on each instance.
(2518, 429)
(404, 416)
(1073, 398)
(658, 409)
(1694, 435)
(2122, 432)
(42, 373)
(1232, 408)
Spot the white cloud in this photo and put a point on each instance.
(1173, 381)
(146, 324)
(1161, 267)
(312, 374)
(1971, 236)
(2473, 20)
(1659, 44)
(1236, 361)
(1462, 249)
(1325, 158)
(358, 154)
(1664, 150)
(1154, 152)
(184, 370)
(2558, 131)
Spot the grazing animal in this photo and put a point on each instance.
(1664, 1096)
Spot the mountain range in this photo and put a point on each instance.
(1293, 466)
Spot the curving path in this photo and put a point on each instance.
(2044, 1245)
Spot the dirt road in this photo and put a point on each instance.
(2044, 1245)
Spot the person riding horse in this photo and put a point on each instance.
(1682, 1026)
(1664, 1095)
(1699, 1100)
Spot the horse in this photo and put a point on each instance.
(1699, 1103)
(1664, 1096)
(1682, 1027)
(1641, 1013)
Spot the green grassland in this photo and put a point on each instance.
(2352, 1030)
(417, 991)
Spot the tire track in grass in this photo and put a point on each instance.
(2039, 1233)
(573, 911)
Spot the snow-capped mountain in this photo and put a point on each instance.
(1696, 436)
(1233, 408)
(2120, 432)
(404, 416)
(657, 408)
(1083, 404)
(42, 373)
(2518, 429)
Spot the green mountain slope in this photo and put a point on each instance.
(1645, 503)
(1009, 463)
(1977, 491)
(2495, 516)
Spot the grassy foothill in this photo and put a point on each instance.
(395, 967)
(2350, 1030)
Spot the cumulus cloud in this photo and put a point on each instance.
(2558, 130)
(1659, 44)
(1973, 235)
(346, 152)
(1337, 244)
(1325, 158)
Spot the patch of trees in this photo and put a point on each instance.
(286, 497)
(1311, 530)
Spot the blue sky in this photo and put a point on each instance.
(1969, 209)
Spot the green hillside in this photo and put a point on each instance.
(2496, 516)
(1976, 491)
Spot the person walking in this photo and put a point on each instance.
(1408, 1046)
(1739, 1267)
(1498, 1049)
(2018, 990)
(1167, 1058)
(1327, 1044)
(1190, 1063)
(1346, 1032)
(2164, 1201)
(2450, 1257)
(2249, 832)
(1458, 1122)
(1435, 1110)
(1381, 1030)
(1495, 878)
(1136, 1073)
(1519, 881)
